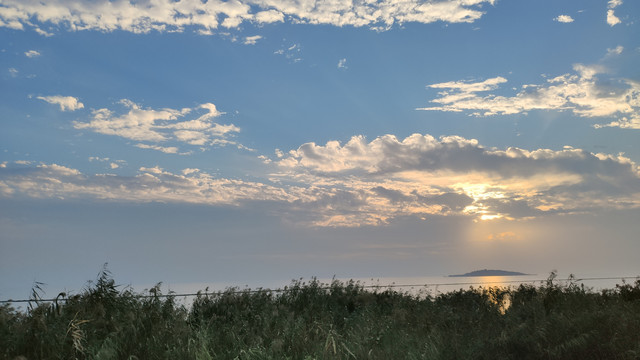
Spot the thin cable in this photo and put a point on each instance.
(392, 285)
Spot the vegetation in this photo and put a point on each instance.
(341, 320)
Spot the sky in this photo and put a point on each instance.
(257, 141)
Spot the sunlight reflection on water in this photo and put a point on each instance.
(438, 285)
(443, 284)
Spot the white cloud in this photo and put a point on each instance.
(387, 155)
(563, 19)
(205, 16)
(189, 171)
(66, 103)
(373, 182)
(13, 72)
(252, 40)
(269, 16)
(581, 92)
(163, 125)
(32, 53)
(342, 64)
(631, 122)
(612, 19)
(614, 3)
(43, 32)
(264, 159)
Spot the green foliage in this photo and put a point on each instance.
(340, 320)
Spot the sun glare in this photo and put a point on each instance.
(490, 217)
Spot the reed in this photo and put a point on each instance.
(340, 320)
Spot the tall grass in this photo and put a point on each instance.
(340, 320)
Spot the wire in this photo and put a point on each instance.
(392, 285)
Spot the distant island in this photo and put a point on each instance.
(486, 272)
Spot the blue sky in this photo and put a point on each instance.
(263, 140)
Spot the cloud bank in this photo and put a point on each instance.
(586, 93)
(372, 182)
(156, 126)
(168, 15)
(405, 176)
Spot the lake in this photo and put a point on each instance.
(432, 285)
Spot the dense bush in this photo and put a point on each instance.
(311, 320)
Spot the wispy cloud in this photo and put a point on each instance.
(156, 126)
(342, 64)
(164, 149)
(252, 40)
(32, 53)
(615, 51)
(372, 182)
(149, 185)
(66, 103)
(292, 52)
(206, 16)
(581, 92)
(563, 19)
(113, 164)
(614, 3)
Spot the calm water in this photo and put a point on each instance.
(432, 285)
(442, 284)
